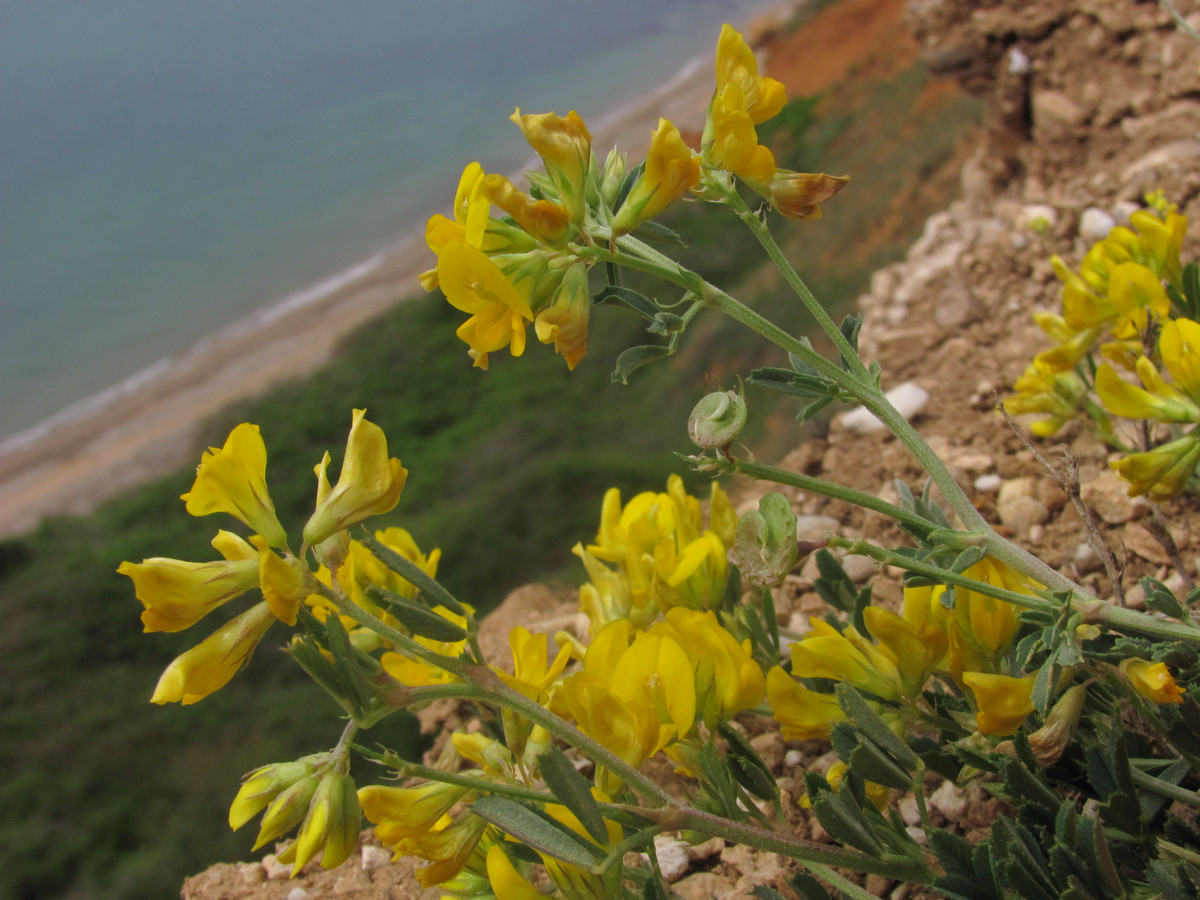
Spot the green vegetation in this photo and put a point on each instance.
(106, 796)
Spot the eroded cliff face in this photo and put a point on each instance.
(1091, 104)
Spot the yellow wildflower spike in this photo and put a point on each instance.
(763, 97)
(506, 882)
(1179, 345)
(399, 813)
(544, 219)
(232, 479)
(331, 826)
(209, 665)
(446, 850)
(1158, 400)
(368, 485)
(284, 582)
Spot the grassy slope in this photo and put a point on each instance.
(110, 797)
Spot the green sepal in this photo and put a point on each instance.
(572, 791)
(537, 829)
(1161, 598)
(635, 357)
(418, 618)
(657, 233)
(868, 723)
(666, 324)
(850, 328)
(428, 586)
(632, 177)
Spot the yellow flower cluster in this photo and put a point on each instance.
(232, 479)
(526, 262)
(654, 553)
(1122, 288)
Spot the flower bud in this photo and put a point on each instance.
(1049, 741)
(287, 810)
(765, 547)
(612, 177)
(331, 825)
(717, 419)
(264, 785)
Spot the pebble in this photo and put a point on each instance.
(672, 856)
(1108, 497)
(859, 568)
(949, 801)
(298, 893)
(373, 857)
(908, 398)
(1140, 541)
(1095, 224)
(252, 873)
(1086, 560)
(793, 758)
(1038, 215)
(815, 528)
(275, 869)
(988, 484)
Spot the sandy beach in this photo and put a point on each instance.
(150, 428)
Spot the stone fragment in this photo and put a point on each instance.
(672, 856)
(1139, 540)
(1055, 113)
(908, 398)
(949, 801)
(1086, 560)
(373, 857)
(988, 484)
(1018, 506)
(703, 886)
(1037, 216)
(251, 873)
(1108, 497)
(297, 893)
(769, 747)
(1095, 224)
(275, 870)
(706, 850)
(859, 568)
(815, 528)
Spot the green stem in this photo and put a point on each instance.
(758, 227)
(677, 817)
(847, 887)
(763, 472)
(1165, 789)
(1094, 611)
(471, 782)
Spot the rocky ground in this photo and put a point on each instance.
(1092, 104)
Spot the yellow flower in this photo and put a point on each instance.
(1044, 388)
(565, 146)
(1161, 473)
(730, 141)
(1072, 347)
(1002, 701)
(1179, 345)
(285, 582)
(564, 322)
(803, 714)
(405, 812)
(916, 649)
(473, 283)
(232, 479)
(209, 665)
(633, 696)
(533, 674)
(1152, 680)
(1137, 297)
(506, 882)
(672, 169)
(177, 594)
(1159, 400)
(447, 850)
(845, 656)
(728, 680)
(368, 485)
(763, 97)
(543, 219)
(331, 826)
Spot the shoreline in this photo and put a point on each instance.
(149, 424)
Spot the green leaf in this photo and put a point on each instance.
(1161, 598)
(573, 791)
(538, 830)
(627, 297)
(845, 822)
(850, 327)
(747, 766)
(766, 892)
(417, 618)
(868, 723)
(635, 357)
(666, 324)
(808, 888)
(430, 587)
(794, 383)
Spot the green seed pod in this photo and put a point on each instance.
(717, 419)
(765, 548)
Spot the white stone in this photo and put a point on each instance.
(908, 398)
(815, 528)
(1035, 215)
(949, 801)
(297, 893)
(672, 856)
(373, 857)
(1095, 224)
(989, 483)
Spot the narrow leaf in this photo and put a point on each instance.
(635, 357)
(538, 831)
(413, 574)
(417, 618)
(572, 791)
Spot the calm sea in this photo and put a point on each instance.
(168, 167)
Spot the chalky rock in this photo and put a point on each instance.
(908, 398)
(1095, 224)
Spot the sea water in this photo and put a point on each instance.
(167, 168)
